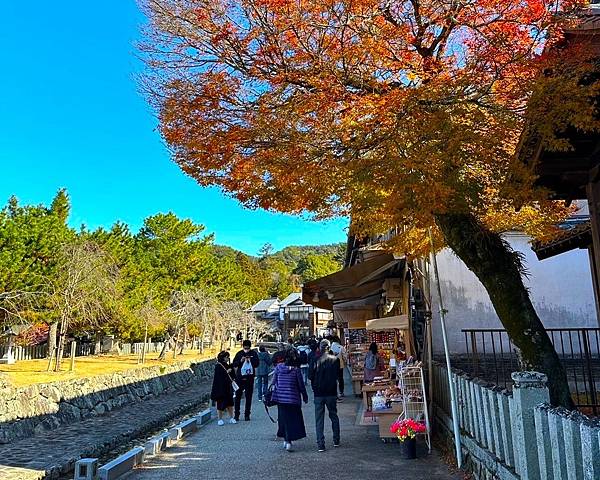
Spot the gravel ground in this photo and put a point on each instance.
(249, 449)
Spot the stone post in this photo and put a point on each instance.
(529, 391)
(590, 442)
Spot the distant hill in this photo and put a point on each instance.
(292, 255)
(280, 273)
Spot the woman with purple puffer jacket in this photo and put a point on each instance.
(289, 392)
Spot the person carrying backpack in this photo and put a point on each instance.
(340, 352)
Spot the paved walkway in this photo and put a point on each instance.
(53, 453)
(249, 450)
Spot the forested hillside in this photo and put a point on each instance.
(118, 281)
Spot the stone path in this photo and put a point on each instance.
(53, 453)
(249, 450)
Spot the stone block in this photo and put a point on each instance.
(166, 441)
(153, 446)
(494, 398)
(590, 447)
(506, 427)
(122, 464)
(175, 433)
(480, 433)
(543, 442)
(204, 416)
(86, 469)
(557, 444)
(529, 391)
(573, 455)
(188, 426)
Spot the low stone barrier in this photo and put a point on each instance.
(27, 410)
(516, 435)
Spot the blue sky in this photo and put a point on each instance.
(71, 116)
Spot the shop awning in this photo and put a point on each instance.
(387, 323)
(359, 281)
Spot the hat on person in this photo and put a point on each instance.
(325, 344)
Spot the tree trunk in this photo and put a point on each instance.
(52, 338)
(64, 324)
(165, 348)
(499, 269)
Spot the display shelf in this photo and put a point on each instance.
(414, 399)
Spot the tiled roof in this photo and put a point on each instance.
(291, 298)
(264, 305)
(571, 237)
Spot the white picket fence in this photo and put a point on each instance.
(517, 435)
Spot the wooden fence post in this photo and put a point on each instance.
(73, 351)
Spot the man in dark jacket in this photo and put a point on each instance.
(245, 363)
(323, 374)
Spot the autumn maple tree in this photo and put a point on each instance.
(396, 113)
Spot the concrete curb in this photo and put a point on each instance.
(121, 465)
(135, 457)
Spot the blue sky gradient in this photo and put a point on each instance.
(71, 116)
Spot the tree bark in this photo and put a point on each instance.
(52, 338)
(500, 270)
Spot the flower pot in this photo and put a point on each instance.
(408, 449)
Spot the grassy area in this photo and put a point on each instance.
(28, 372)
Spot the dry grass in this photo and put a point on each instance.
(28, 372)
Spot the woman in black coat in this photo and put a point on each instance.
(222, 387)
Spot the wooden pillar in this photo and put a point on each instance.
(593, 194)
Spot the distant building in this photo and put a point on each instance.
(302, 319)
(268, 311)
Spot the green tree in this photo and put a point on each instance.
(314, 266)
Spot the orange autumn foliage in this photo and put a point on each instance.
(389, 111)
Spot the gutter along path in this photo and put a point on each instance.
(250, 449)
(54, 453)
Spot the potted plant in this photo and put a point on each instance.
(406, 430)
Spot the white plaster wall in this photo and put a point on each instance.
(560, 287)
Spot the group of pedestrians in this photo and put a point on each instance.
(320, 363)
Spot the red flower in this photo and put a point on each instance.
(407, 428)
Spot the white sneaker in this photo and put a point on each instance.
(289, 448)
(233, 420)
(285, 444)
(220, 423)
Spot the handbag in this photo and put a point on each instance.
(269, 397)
(234, 384)
(269, 400)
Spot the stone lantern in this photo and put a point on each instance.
(9, 358)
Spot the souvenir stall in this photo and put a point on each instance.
(374, 299)
(391, 334)
(405, 398)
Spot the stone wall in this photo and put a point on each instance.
(27, 410)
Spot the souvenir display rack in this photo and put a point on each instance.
(411, 386)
